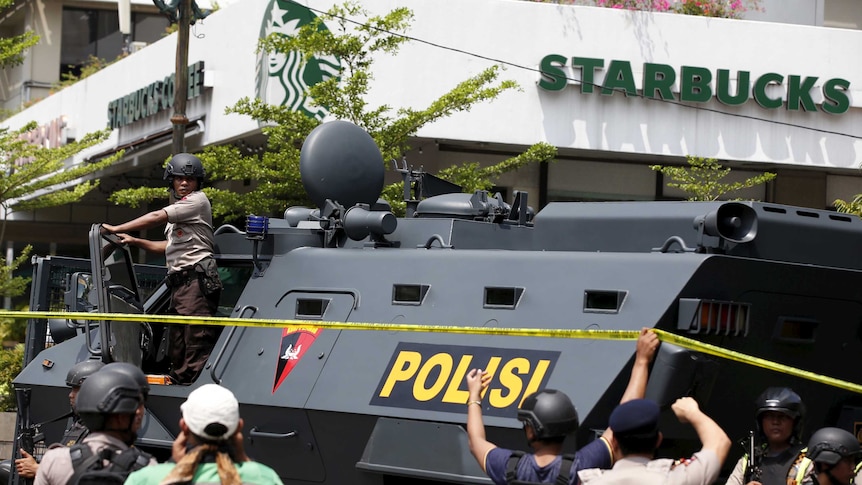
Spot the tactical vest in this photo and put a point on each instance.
(797, 469)
(517, 456)
(75, 434)
(89, 467)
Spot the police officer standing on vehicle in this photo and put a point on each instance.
(636, 437)
(192, 272)
(548, 417)
(834, 455)
(779, 450)
(109, 404)
(27, 466)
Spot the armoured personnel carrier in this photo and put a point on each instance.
(364, 404)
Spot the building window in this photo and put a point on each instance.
(96, 33)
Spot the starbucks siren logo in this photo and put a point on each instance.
(283, 78)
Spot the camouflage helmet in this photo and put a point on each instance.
(785, 401)
(830, 445)
(550, 413)
(81, 371)
(185, 165)
(106, 393)
(132, 371)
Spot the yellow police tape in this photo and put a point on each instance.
(664, 336)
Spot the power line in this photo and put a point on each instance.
(538, 71)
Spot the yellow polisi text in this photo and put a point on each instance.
(427, 376)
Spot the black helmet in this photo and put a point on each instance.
(105, 393)
(550, 413)
(830, 445)
(785, 401)
(132, 371)
(187, 165)
(81, 371)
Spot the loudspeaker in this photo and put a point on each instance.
(732, 221)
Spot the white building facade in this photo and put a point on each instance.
(615, 91)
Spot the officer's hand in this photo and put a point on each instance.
(647, 345)
(106, 229)
(477, 381)
(26, 466)
(125, 238)
(685, 408)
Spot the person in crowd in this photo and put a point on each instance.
(833, 456)
(636, 437)
(192, 272)
(209, 448)
(778, 450)
(27, 466)
(548, 416)
(109, 404)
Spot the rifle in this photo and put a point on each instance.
(28, 433)
(752, 465)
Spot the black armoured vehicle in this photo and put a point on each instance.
(368, 403)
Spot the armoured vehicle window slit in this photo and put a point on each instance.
(713, 317)
(807, 214)
(502, 297)
(311, 307)
(796, 330)
(836, 217)
(779, 210)
(603, 301)
(409, 294)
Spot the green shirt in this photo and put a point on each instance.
(207, 473)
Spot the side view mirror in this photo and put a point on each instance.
(78, 297)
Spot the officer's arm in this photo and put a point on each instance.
(146, 221)
(645, 350)
(647, 345)
(145, 244)
(708, 431)
(477, 380)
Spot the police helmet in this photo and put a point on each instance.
(132, 371)
(830, 445)
(105, 393)
(186, 165)
(81, 371)
(550, 413)
(783, 400)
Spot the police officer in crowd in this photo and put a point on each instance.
(548, 417)
(110, 404)
(833, 455)
(27, 466)
(192, 272)
(209, 448)
(779, 449)
(636, 437)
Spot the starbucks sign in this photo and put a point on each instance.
(283, 78)
(696, 84)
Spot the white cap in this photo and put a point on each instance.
(211, 412)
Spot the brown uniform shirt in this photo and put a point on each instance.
(189, 231)
(700, 469)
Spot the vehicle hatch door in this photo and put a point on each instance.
(117, 292)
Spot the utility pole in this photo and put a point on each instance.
(181, 79)
(184, 13)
